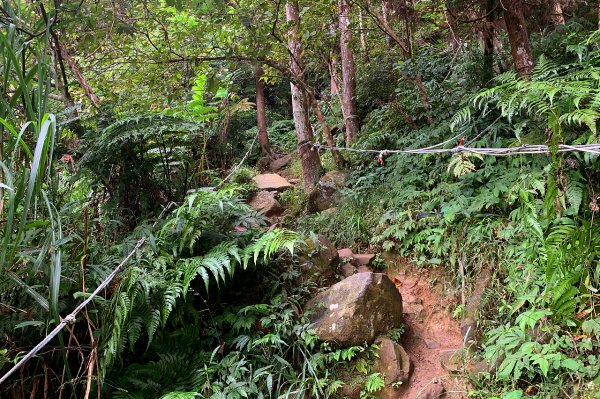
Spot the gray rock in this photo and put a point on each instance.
(431, 344)
(435, 390)
(265, 202)
(326, 193)
(271, 181)
(348, 269)
(364, 269)
(364, 259)
(281, 162)
(356, 310)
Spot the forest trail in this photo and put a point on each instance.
(432, 333)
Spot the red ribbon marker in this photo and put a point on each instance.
(461, 141)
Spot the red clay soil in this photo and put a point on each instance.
(431, 330)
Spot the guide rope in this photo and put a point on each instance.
(525, 149)
(70, 318)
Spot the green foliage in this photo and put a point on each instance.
(526, 217)
(295, 200)
(259, 350)
(198, 243)
(374, 383)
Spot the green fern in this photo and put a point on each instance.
(195, 243)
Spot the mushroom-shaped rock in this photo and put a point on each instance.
(271, 181)
(356, 310)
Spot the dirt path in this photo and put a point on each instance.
(431, 333)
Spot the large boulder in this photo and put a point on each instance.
(265, 203)
(271, 182)
(392, 362)
(326, 193)
(356, 310)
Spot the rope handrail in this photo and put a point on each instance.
(525, 149)
(70, 318)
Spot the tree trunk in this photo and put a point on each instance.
(556, 12)
(385, 18)
(261, 114)
(334, 83)
(387, 29)
(309, 157)
(337, 157)
(87, 88)
(520, 48)
(488, 40)
(363, 40)
(348, 74)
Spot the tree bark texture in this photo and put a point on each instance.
(556, 12)
(261, 113)
(348, 74)
(363, 40)
(309, 157)
(518, 37)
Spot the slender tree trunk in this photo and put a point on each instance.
(363, 40)
(385, 18)
(488, 40)
(418, 82)
(556, 12)
(333, 79)
(520, 48)
(261, 114)
(225, 127)
(327, 135)
(309, 157)
(385, 27)
(408, 25)
(87, 88)
(348, 74)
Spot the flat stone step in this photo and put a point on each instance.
(271, 181)
(345, 253)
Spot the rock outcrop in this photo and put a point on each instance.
(327, 191)
(393, 362)
(319, 260)
(356, 310)
(265, 203)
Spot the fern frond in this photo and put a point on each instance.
(268, 244)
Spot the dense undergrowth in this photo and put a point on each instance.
(530, 219)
